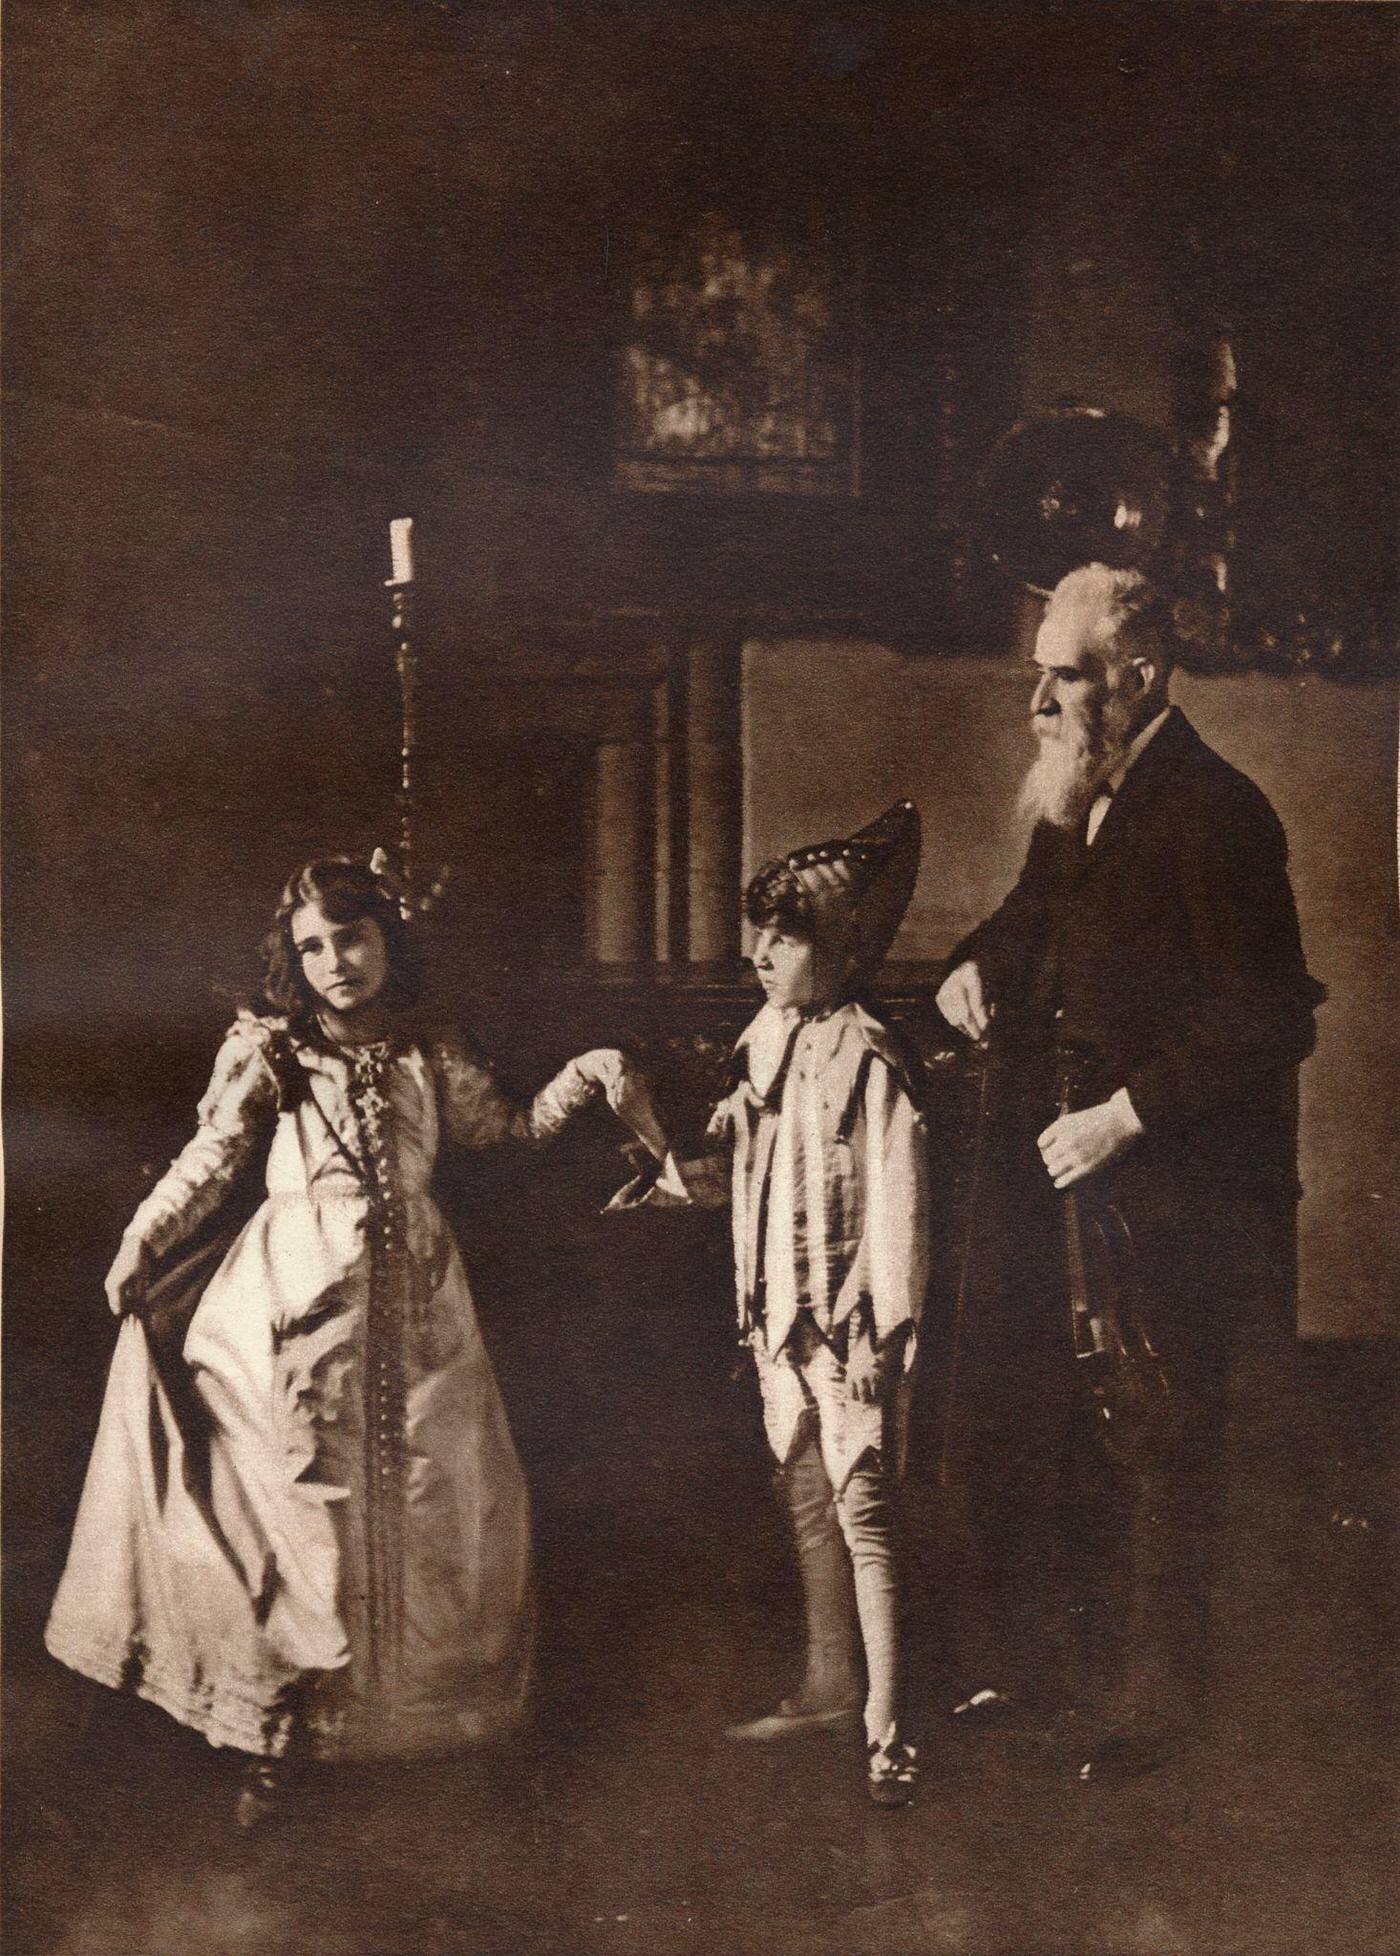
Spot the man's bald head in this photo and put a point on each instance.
(1119, 616)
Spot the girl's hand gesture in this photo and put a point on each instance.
(128, 1277)
(627, 1094)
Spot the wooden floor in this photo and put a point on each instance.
(624, 1822)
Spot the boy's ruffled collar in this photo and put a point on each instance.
(763, 1047)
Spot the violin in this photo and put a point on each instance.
(1124, 1380)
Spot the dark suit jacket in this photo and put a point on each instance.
(1171, 950)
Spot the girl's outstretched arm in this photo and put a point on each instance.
(478, 1112)
(234, 1115)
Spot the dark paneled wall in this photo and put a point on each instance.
(280, 271)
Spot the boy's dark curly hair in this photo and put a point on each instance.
(776, 897)
(346, 890)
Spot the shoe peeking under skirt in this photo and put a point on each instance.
(261, 1795)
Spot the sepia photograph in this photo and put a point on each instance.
(701, 1003)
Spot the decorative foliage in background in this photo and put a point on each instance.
(1335, 641)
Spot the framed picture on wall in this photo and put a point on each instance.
(739, 367)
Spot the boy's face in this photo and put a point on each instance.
(795, 972)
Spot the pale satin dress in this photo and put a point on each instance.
(309, 1523)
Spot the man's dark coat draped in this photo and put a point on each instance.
(1170, 950)
(1166, 958)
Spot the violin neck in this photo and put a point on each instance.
(1085, 1324)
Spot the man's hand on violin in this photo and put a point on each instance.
(1078, 1145)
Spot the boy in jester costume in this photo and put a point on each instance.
(829, 1190)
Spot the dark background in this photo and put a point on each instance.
(279, 272)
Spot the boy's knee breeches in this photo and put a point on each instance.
(807, 1399)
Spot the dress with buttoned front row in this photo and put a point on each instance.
(305, 1515)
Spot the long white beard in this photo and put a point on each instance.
(1071, 766)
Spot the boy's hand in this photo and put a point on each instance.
(868, 1366)
(866, 1369)
(720, 1126)
(865, 1374)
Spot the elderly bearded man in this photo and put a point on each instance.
(1144, 987)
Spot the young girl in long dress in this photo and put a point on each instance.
(304, 1524)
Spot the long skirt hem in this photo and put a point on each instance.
(305, 1717)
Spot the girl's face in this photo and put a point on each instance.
(344, 964)
(793, 972)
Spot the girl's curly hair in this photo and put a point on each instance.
(346, 890)
(776, 897)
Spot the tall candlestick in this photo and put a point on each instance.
(401, 550)
(413, 898)
(406, 665)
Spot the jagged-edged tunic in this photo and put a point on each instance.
(829, 1192)
(830, 1174)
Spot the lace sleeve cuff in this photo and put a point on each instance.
(555, 1105)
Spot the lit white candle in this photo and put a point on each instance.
(401, 550)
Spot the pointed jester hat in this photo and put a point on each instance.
(851, 894)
